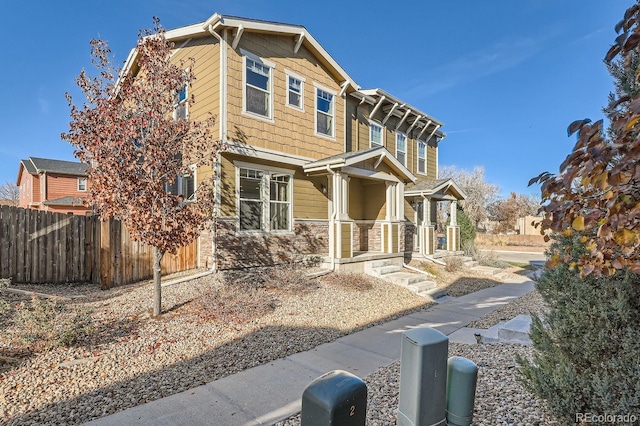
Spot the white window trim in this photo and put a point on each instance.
(317, 87)
(266, 187)
(272, 66)
(302, 80)
(85, 184)
(382, 132)
(194, 174)
(406, 140)
(418, 142)
(185, 102)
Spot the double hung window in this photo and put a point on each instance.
(401, 148)
(295, 91)
(180, 106)
(258, 86)
(325, 112)
(375, 135)
(422, 157)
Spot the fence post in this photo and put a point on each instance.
(105, 255)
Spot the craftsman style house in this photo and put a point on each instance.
(53, 185)
(314, 164)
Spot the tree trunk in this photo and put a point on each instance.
(157, 293)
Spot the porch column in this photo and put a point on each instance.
(341, 227)
(390, 229)
(453, 230)
(427, 230)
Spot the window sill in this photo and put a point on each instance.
(295, 107)
(258, 116)
(241, 233)
(324, 136)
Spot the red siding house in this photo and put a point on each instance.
(53, 185)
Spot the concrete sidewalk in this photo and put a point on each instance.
(272, 392)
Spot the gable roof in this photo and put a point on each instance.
(347, 159)
(441, 189)
(299, 34)
(36, 165)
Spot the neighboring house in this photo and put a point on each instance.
(53, 185)
(315, 164)
(529, 225)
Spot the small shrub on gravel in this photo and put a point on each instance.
(349, 281)
(453, 264)
(289, 278)
(231, 305)
(46, 323)
(4, 305)
(587, 345)
(483, 257)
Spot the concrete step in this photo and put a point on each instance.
(386, 270)
(422, 286)
(486, 270)
(378, 263)
(434, 293)
(516, 330)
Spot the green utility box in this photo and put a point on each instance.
(423, 378)
(462, 375)
(336, 398)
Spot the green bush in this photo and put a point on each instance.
(587, 345)
(467, 228)
(46, 323)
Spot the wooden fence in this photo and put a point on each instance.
(44, 247)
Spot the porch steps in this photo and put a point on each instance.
(422, 285)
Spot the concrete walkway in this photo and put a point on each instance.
(272, 392)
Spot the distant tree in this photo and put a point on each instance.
(507, 211)
(9, 194)
(597, 191)
(480, 194)
(137, 150)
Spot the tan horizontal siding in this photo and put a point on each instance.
(292, 130)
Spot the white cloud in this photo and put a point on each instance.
(500, 56)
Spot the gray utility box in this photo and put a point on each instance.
(336, 398)
(423, 378)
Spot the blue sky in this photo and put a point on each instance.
(506, 77)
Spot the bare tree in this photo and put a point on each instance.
(139, 153)
(9, 194)
(480, 193)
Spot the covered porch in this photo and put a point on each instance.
(366, 206)
(424, 197)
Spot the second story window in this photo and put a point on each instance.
(325, 112)
(422, 158)
(401, 148)
(258, 87)
(180, 106)
(375, 135)
(82, 184)
(295, 92)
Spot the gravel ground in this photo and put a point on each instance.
(131, 358)
(529, 304)
(500, 397)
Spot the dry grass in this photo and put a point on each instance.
(349, 281)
